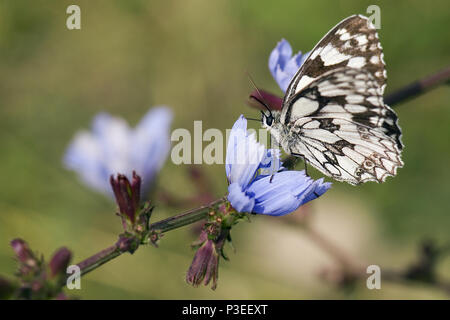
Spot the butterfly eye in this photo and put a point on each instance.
(269, 120)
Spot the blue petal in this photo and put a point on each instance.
(317, 189)
(244, 154)
(279, 56)
(113, 147)
(150, 144)
(113, 137)
(240, 200)
(239, 128)
(271, 162)
(283, 65)
(83, 155)
(284, 192)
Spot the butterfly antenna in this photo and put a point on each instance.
(261, 101)
(265, 104)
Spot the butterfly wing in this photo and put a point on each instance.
(352, 43)
(341, 125)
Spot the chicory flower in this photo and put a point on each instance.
(113, 147)
(257, 185)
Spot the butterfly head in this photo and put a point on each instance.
(267, 117)
(266, 120)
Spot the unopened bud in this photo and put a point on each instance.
(23, 252)
(59, 262)
(127, 195)
(272, 101)
(27, 260)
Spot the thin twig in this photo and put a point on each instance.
(350, 270)
(185, 218)
(98, 259)
(418, 87)
(164, 225)
(341, 257)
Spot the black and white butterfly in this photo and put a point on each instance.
(333, 114)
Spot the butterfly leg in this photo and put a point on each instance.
(306, 168)
(304, 160)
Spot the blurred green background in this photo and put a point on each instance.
(193, 56)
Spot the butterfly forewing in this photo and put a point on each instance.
(352, 43)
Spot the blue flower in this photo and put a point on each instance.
(255, 183)
(113, 147)
(283, 65)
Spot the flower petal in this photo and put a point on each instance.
(150, 144)
(284, 192)
(113, 138)
(283, 65)
(84, 156)
(244, 154)
(279, 56)
(271, 163)
(238, 133)
(239, 199)
(317, 189)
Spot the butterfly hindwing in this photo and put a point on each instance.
(350, 153)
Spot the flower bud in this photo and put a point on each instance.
(205, 266)
(23, 252)
(26, 257)
(59, 262)
(127, 195)
(274, 102)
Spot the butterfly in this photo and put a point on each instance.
(333, 114)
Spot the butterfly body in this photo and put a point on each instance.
(333, 114)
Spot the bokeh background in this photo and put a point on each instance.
(193, 56)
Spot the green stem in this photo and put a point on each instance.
(165, 225)
(99, 259)
(184, 219)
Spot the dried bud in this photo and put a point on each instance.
(59, 262)
(127, 195)
(25, 256)
(205, 266)
(23, 252)
(274, 102)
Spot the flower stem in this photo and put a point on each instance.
(418, 87)
(99, 258)
(165, 225)
(185, 218)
